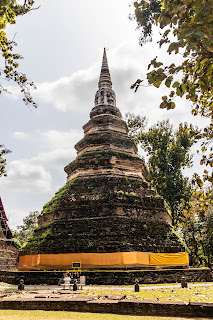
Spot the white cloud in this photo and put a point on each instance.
(68, 93)
(27, 177)
(58, 139)
(55, 158)
(36, 174)
(57, 148)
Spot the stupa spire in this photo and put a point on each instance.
(105, 78)
(105, 100)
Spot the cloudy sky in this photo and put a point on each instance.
(62, 45)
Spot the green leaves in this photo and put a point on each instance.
(155, 63)
(176, 84)
(199, 33)
(174, 46)
(135, 124)
(167, 104)
(146, 13)
(168, 81)
(156, 77)
(3, 152)
(197, 229)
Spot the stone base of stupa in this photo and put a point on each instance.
(112, 277)
(104, 222)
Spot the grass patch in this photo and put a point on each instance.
(4, 284)
(64, 315)
(191, 294)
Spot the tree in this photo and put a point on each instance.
(168, 153)
(23, 232)
(190, 229)
(9, 10)
(197, 230)
(191, 24)
(208, 235)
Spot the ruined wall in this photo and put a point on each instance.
(8, 254)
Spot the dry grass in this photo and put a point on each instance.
(62, 315)
(193, 294)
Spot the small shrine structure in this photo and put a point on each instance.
(8, 250)
(106, 216)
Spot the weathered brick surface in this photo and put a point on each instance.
(107, 214)
(8, 254)
(8, 250)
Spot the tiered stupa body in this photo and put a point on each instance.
(106, 207)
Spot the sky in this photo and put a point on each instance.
(62, 46)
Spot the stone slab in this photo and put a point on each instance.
(117, 297)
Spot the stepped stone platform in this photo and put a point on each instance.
(103, 215)
(112, 277)
(106, 206)
(114, 306)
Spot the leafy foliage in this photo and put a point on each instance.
(9, 10)
(190, 22)
(168, 154)
(206, 152)
(135, 124)
(197, 229)
(25, 231)
(3, 151)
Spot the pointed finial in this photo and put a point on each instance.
(105, 79)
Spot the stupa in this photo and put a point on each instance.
(106, 216)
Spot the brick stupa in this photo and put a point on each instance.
(106, 215)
